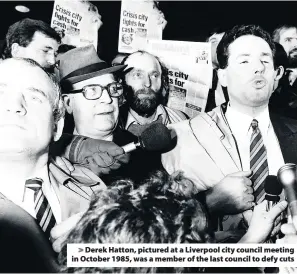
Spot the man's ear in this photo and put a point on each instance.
(59, 125)
(279, 73)
(68, 103)
(16, 50)
(222, 77)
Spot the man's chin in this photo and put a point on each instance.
(145, 112)
(292, 61)
(11, 151)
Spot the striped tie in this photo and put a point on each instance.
(258, 162)
(44, 213)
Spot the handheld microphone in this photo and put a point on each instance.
(287, 177)
(273, 189)
(156, 137)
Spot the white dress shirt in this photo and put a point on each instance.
(240, 125)
(24, 197)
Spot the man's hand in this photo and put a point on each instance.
(233, 194)
(101, 156)
(290, 234)
(268, 222)
(64, 164)
(290, 238)
(60, 232)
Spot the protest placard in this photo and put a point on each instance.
(138, 23)
(77, 22)
(189, 71)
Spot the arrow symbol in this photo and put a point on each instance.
(80, 249)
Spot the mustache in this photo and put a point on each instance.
(146, 91)
(294, 50)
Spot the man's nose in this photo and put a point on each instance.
(294, 42)
(147, 82)
(51, 59)
(105, 97)
(14, 103)
(259, 67)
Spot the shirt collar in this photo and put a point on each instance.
(109, 138)
(160, 111)
(14, 191)
(240, 122)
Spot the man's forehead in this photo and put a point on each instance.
(14, 63)
(100, 80)
(45, 40)
(290, 32)
(142, 61)
(249, 44)
(18, 71)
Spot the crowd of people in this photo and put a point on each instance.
(66, 113)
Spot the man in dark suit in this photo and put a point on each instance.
(229, 151)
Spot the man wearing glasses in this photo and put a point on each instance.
(91, 94)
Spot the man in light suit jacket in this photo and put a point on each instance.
(31, 117)
(213, 149)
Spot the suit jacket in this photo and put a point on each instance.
(24, 247)
(74, 195)
(206, 150)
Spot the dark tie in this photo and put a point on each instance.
(44, 213)
(258, 162)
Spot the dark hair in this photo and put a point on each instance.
(277, 31)
(22, 32)
(236, 32)
(159, 211)
(164, 74)
(216, 30)
(281, 58)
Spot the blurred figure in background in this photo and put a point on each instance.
(33, 39)
(117, 60)
(217, 94)
(286, 35)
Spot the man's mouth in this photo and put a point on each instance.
(105, 112)
(293, 52)
(259, 83)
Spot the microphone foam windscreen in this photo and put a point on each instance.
(272, 186)
(156, 138)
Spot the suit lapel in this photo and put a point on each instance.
(286, 132)
(217, 140)
(72, 196)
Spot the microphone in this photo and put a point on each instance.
(287, 177)
(156, 137)
(273, 189)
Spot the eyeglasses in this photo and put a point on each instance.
(94, 92)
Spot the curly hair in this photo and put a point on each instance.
(162, 210)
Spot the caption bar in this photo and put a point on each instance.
(181, 255)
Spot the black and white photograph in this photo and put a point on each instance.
(142, 136)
